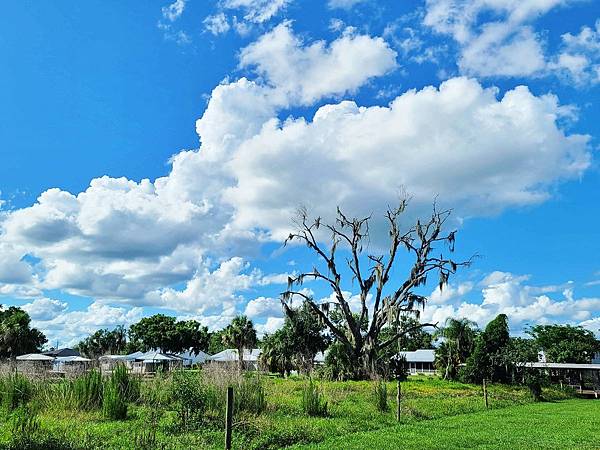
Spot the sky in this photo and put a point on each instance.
(154, 154)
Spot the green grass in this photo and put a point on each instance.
(570, 424)
(351, 409)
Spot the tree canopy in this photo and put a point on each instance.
(240, 334)
(17, 337)
(565, 343)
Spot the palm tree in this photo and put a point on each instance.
(459, 339)
(241, 335)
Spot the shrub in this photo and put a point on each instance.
(114, 403)
(313, 403)
(15, 390)
(190, 397)
(380, 396)
(87, 390)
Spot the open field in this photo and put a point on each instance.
(569, 424)
(427, 403)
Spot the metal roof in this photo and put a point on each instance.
(423, 355)
(231, 354)
(549, 365)
(35, 357)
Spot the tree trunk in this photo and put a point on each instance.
(398, 401)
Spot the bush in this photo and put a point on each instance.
(190, 397)
(15, 390)
(380, 396)
(313, 403)
(87, 390)
(114, 403)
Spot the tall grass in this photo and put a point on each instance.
(250, 395)
(87, 390)
(380, 397)
(114, 404)
(15, 390)
(313, 403)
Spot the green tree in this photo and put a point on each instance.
(489, 359)
(104, 342)
(305, 335)
(240, 334)
(565, 343)
(277, 351)
(16, 335)
(458, 341)
(215, 342)
(164, 332)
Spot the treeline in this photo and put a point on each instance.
(471, 355)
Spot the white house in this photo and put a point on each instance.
(420, 361)
(230, 355)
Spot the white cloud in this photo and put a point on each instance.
(257, 11)
(271, 325)
(263, 307)
(307, 73)
(580, 55)
(217, 24)
(524, 304)
(173, 11)
(344, 4)
(495, 38)
(44, 309)
(67, 327)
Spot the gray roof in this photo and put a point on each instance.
(423, 355)
(35, 357)
(231, 354)
(548, 365)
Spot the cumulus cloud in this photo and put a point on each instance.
(217, 24)
(307, 73)
(524, 304)
(170, 14)
(257, 11)
(344, 4)
(580, 55)
(498, 38)
(67, 327)
(264, 307)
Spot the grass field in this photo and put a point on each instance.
(569, 424)
(449, 414)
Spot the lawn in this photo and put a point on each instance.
(352, 411)
(569, 424)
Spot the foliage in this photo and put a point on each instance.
(164, 332)
(565, 343)
(215, 344)
(15, 391)
(16, 335)
(361, 333)
(458, 341)
(190, 398)
(240, 334)
(296, 343)
(380, 396)
(338, 363)
(128, 384)
(104, 342)
(250, 395)
(313, 403)
(87, 390)
(114, 403)
(489, 359)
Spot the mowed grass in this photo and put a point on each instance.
(351, 410)
(570, 424)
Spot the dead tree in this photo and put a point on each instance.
(361, 331)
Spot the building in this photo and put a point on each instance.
(71, 365)
(420, 361)
(34, 363)
(194, 359)
(62, 352)
(230, 356)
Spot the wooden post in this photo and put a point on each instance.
(228, 418)
(398, 401)
(485, 393)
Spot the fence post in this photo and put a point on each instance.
(228, 418)
(398, 400)
(485, 393)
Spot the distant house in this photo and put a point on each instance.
(420, 361)
(191, 358)
(230, 356)
(143, 362)
(34, 363)
(62, 352)
(71, 364)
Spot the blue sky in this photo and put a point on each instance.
(153, 152)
